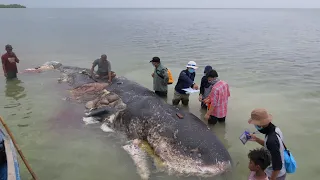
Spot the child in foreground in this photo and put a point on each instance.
(260, 159)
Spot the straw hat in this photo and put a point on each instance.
(260, 117)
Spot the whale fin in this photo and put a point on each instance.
(139, 158)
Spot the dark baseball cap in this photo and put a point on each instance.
(8, 46)
(155, 59)
(207, 69)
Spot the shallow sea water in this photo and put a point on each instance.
(270, 58)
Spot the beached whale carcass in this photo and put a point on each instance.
(185, 145)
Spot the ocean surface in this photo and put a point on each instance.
(269, 57)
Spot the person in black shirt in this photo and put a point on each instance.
(205, 87)
(273, 141)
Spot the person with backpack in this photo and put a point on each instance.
(273, 141)
(160, 78)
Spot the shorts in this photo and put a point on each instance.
(213, 120)
(161, 93)
(177, 97)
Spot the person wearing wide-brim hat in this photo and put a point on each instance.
(273, 141)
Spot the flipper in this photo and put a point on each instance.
(139, 158)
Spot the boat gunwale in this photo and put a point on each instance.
(13, 169)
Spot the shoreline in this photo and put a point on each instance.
(12, 6)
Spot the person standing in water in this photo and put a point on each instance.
(186, 80)
(205, 87)
(273, 141)
(260, 159)
(9, 63)
(104, 69)
(160, 78)
(217, 100)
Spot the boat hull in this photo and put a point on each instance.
(11, 169)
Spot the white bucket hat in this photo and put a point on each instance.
(192, 64)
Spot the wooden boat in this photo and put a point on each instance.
(9, 167)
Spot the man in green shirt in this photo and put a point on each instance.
(160, 78)
(104, 69)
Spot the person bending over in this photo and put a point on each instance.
(186, 80)
(104, 69)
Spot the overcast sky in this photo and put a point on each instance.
(169, 3)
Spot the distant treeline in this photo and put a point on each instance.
(11, 6)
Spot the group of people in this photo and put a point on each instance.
(265, 163)
(214, 93)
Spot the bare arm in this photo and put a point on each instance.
(260, 141)
(94, 64)
(109, 71)
(109, 76)
(16, 58)
(92, 69)
(274, 175)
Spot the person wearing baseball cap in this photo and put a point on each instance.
(273, 141)
(217, 101)
(160, 78)
(205, 86)
(186, 80)
(9, 63)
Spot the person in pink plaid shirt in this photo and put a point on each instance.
(217, 100)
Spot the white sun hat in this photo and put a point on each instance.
(192, 64)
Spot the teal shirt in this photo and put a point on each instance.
(160, 79)
(104, 67)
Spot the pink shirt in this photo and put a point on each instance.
(251, 176)
(219, 99)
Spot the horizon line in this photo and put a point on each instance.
(169, 8)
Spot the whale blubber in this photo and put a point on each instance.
(104, 101)
(112, 97)
(89, 104)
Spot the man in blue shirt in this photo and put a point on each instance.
(186, 80)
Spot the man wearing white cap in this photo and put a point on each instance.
(186, 80)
